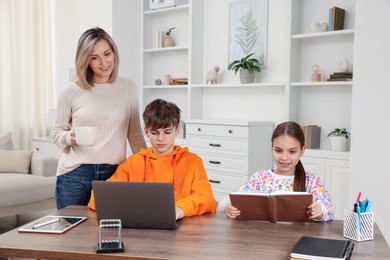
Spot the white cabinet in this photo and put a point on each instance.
(334, 170)
(183, 60)
(231, 150)
(44, 146)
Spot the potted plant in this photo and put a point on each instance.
(247, 67)
(338, 139)
(168, 40)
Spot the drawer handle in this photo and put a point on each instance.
(214, 181)
(199, 129)
(214, 162)
(215, 145)
(230, 131)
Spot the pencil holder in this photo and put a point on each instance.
(362, 231)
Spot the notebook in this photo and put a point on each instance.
(322, 248)
(149, 205)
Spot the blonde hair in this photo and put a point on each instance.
(83, 55)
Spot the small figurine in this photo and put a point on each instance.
(167, 80)
(157, 82)
(316, 73)
(212, 75)
(344, 65)
(317, 27)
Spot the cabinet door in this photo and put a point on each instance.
(43, 146)
(314, 165)
(337, 184)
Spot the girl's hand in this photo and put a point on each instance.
(315, 211)
(179, 213)
(232, 212)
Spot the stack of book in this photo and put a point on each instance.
(312, 136)
(179, 81)
(340, 76)
(336, 18)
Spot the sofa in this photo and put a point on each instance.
(27, 179)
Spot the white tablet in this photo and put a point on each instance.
(52, 224)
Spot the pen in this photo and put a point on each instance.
(358, 213)
(46, 223)
(358, 197)
(368, 206)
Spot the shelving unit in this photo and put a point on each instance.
(184, 60)
(327, 104)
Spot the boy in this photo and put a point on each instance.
(165, 162)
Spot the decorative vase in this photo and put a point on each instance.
(168, 41)
(339, 143)
(247, 76)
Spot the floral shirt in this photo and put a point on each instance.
(268, 182)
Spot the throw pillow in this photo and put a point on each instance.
(6, 142)
(15, 161)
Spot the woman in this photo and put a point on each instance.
(101, 99)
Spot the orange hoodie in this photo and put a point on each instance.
(193, 193)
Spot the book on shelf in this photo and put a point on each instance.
(339, 79)
(322, 248)
(339, 19)
(312, 136)
(159, 39)
(273, 207)
(343, 73)
(336, 18)
(338, 76)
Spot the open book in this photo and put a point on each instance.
(274, 207)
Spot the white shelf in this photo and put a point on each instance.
(329, 154)
(166, 49)
(327, 34)
(322, 83)
(238, 85)
(168, 10)
(166, 86)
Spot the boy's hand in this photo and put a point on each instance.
(315, 212)
(232, 212)
(179, 213)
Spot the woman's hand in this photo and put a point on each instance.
(232, 212)
(179, 213)
(72, 138)
(315, 211)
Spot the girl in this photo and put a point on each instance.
(288, 145)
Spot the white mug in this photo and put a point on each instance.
(86, 135)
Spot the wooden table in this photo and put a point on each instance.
(211, 236)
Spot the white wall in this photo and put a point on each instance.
(70, 19)
(370, 109)
(250, 101)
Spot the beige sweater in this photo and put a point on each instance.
(112, 108)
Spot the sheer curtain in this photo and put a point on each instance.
(25, 69)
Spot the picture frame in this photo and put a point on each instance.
(248, 29)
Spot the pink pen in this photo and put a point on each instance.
(358, 197)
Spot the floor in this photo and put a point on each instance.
(11, 222)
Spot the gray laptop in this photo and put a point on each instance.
(136, 204)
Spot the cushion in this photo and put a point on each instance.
(15, 161)
(6, 142)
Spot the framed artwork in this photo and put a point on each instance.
(248, 23)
